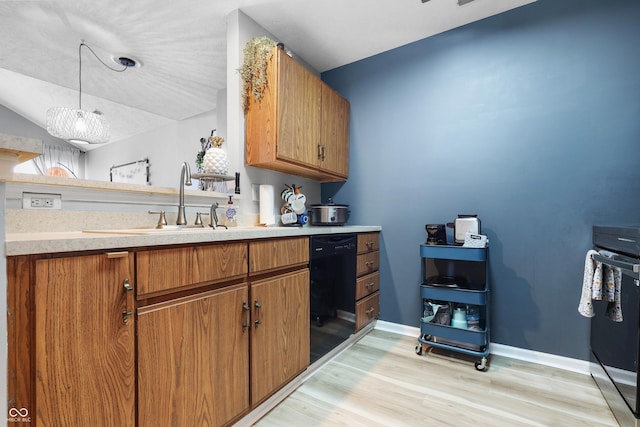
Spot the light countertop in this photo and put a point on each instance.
(47, 242)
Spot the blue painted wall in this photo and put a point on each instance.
(531, 119)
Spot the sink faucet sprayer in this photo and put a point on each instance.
(213, 216)
(185, 179)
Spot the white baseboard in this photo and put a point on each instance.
(546, 359)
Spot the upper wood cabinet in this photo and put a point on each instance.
(334, 133)
(299, 126)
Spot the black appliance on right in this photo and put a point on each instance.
(615, 346)
(332, 266)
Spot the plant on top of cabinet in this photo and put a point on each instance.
(257, 53)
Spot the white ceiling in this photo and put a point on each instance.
(182, 48)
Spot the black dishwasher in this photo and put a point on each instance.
(333, 282)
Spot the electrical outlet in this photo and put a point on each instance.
(41, 201)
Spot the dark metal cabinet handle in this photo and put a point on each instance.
(128, 312)
(257, 305)
(246, 309)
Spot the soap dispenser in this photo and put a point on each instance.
(231, 213)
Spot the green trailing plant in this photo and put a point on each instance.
(257, 53)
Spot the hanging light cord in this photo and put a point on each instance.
(80, 69)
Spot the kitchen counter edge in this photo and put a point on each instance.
(78, 241)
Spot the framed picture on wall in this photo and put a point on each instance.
(131, 173)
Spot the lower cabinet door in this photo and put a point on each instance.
(84, 351)
(279, 332)
(193, 359)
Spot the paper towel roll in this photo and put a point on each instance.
(266, 205)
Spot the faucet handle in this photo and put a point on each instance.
(199, 218)
(162, 221)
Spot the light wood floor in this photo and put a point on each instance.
(381, 381)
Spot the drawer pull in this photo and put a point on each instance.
(369, 263)
(369, 311)
(112, 255)
(369, 285)
(369, 244)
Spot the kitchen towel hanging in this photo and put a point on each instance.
(266, 205)
(593, 288)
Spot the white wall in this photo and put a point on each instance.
(166, 148)
(240, 29)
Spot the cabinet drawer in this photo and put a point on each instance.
(273, 254)
(367, 263)
(162, 270)
(368, 242)
(367, 285)
(367, 310)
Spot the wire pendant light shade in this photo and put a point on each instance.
(76, 125)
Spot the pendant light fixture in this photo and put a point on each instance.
(78, 125)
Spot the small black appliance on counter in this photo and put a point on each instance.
(436, 234)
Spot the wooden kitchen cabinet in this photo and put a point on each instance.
(193, 359)
(275, 254)
(72, 317)
(214, 330)
(280, 313)
(368, 279)
(280, 331)
(193, 344)
(334, 133)
(162, 271)
(299, 126)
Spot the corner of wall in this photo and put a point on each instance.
(240, 29)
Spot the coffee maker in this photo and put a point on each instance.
(436, 234)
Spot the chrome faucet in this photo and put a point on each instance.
(185, 179)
